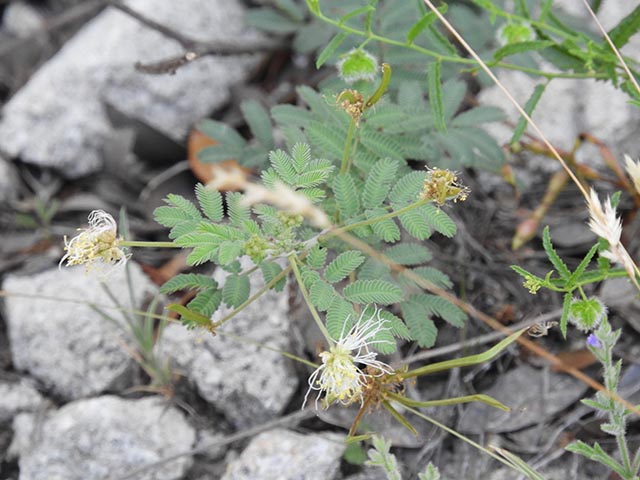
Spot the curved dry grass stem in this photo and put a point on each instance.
(613, 47)
(533, 125)
(507, 94)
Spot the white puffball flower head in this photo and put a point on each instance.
(340, 376)
(97, 244)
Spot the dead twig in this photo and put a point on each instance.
(194, 49)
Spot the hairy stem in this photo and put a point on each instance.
(293, 260)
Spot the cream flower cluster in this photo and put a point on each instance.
(98, 243)
(340, 376)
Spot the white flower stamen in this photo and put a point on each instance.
(339, 376)
(99, 242)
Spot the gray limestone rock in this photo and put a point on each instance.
(249, 384)
(284, 455)
(59, 339)
(533, 395)
(106, 437)
(59, 120)
(18, 397)
(8, 181)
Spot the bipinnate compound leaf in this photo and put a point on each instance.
(441, 307)
(408, 254)
(271, 270)
(206, 302)
(378, 182)
(346, 195)
(322, 294)
(421, 327)
(188, 280)
(385, 229)
(340, 317)
(259, 122)
(414, 222)
(343, 265)
(236, 290)
(438, 220)
(373, 291)
(210, 202)
(316, 257)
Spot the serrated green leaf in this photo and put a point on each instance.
(327, 51)
(322, 295)
(434, 77)
(259, 122)
(520, 47)
(417, 28)
(236, 290)
(408, 254)
(346, 194)
(553, 256)
(529, 107)
(583, 265)
(421, 327)
(210, 202)
(626, 28)
(316, 173)
(309, 277)
(438, 220)
(343, 265)
(378, 182)
(564, 318)
(340, 316)
(188, 280)
(271, 270)
(206, 302)
(373, 291)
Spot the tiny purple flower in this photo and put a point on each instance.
(593, 341)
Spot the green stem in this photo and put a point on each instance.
(346, 155)
(137, 244)
(293, 260)
(340, 230)
(448, 58)
(253, 298)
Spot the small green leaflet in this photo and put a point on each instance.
(529, 107)
(434, 77)
(327, 51)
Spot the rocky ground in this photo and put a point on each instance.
(82, 129)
